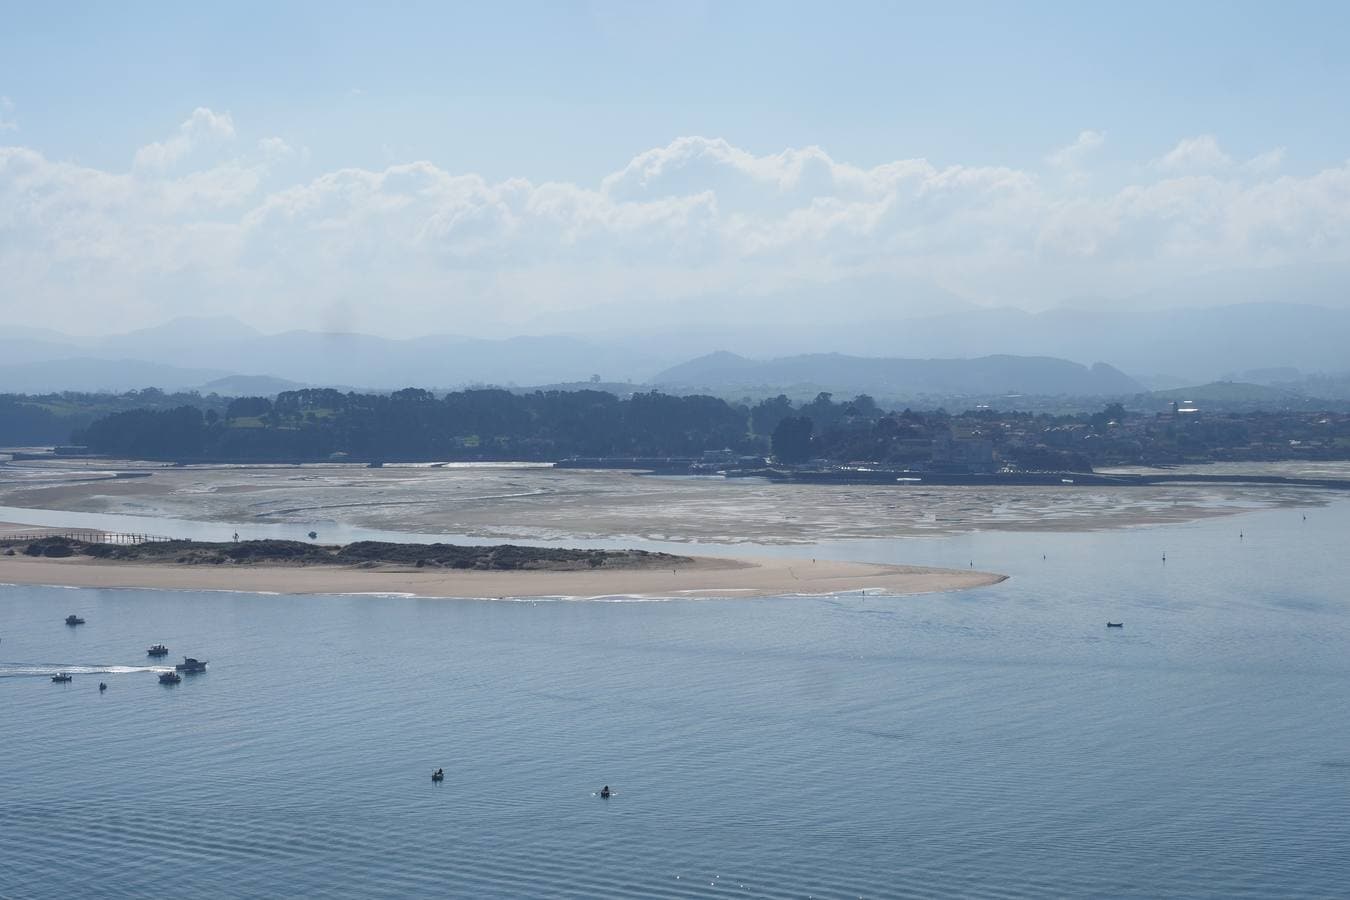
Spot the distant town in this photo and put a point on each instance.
(697, 434)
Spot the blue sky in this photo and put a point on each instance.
(573, 93)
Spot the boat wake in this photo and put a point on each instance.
(36, 670)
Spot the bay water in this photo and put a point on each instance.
(999, 742)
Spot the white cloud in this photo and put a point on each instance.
(7, 122)
(1262, 163)
(1074, 154)
(1200, 153)
(698, 214)
(204, 125)
(275, 148)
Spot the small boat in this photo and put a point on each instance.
(157, 650)
(102, 686)
(1115, 624)
(169, 678)
(191, 666)
(438, 775)
(74, 620)
(605, 792)
(60, 677)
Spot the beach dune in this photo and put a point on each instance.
(698, 577)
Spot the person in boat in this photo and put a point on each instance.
(604, 791)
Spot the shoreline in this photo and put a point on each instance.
(703, 578)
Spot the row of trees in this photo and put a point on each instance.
(413, 424)
(34, 419)
(417, 425)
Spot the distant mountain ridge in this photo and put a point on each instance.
(1269, 340)
(1197, 344)
(998, 374)
(190, 352)
(100, 376)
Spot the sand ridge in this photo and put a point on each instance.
(702, 577)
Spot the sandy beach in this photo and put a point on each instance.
(702, 577)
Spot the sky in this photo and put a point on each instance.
(518, 167)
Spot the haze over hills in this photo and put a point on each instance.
(722, 372)
(1186, 346)
(1194, 344)
(1137, 350)
(192, 352)
(100, 375)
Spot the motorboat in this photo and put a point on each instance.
(438, 775)
(157, 650)
(169, 678)
(191, 666)
(60, 677)
(74, 620)
(1115, 624)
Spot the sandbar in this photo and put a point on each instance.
(701, 577)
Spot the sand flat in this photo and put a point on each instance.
(523, 503)
(702, 577)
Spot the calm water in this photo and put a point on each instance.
(998, 742)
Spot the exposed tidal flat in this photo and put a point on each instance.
(994, 742)
(510, 502)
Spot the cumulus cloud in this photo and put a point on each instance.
(1262, 163)
(203, 126)
(1194, 153)
(697, 214)
(275, 148)
(1074, 154)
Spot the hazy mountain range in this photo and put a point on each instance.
(1064, 351)
(723, 373)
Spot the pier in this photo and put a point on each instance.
(88, 537)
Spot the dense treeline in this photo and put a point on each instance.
(35, 419)
(490, 424)
(414, 424)
(30, 423)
